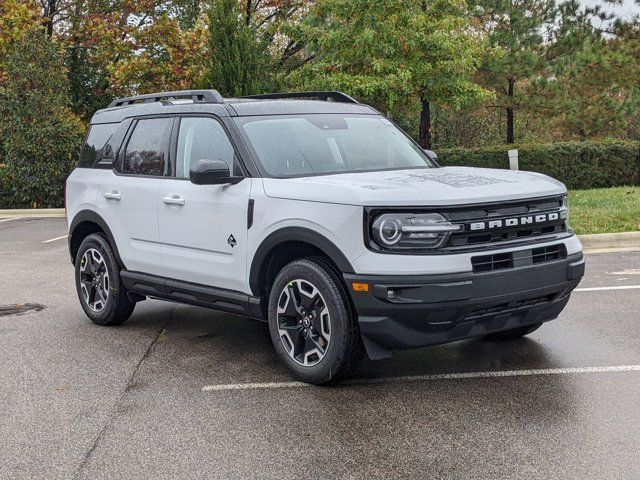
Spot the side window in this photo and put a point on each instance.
(98, 136)
(146, 151)
(203, 138)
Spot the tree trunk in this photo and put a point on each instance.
(247, 17)
(510, 138)
(425, 124)
(48, 13)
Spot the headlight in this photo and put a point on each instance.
(565, 207)
(407, 231)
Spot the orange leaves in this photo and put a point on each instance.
(161, 56)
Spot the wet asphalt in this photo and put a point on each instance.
(88, 402)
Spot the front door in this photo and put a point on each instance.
(203, 228)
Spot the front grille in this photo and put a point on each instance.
(461, 240)
(489, 263)
(472, 237)
(521, 258)
(548, 254)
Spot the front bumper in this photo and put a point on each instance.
(400, 312)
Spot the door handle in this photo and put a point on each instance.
(173, 200)
(113, 195)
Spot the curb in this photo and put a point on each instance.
(600, 241)
(33, 213)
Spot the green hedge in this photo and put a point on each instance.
(580, 165)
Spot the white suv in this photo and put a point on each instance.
(315, 213)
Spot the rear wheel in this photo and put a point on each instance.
(514, 333)
(311, 324)
(102, 295)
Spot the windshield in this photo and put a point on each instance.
(301, 145)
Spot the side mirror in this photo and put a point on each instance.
(431, 154)
(211, 172)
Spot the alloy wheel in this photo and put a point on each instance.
(94, 280)
(303, 322)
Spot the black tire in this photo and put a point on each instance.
(343, 350)
(117, 308)
(514, 333)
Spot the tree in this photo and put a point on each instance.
(593, 89)
(18, 19)
(238, 57)
(41, 135)
(528, 35)
(167, 57)
(596, 91)
(392, 51)
(121, 47)
(270, 18)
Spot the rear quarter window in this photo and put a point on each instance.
(93, 149)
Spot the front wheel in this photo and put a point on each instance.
(100, 290)
(311, 324)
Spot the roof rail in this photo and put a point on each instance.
(198, 96)
(334, 96)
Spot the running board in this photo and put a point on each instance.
(193, 294)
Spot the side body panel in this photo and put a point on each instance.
(340, 225)
(83, 186)
(133, 219)
(204, 239)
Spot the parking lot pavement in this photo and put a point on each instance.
(164, 395)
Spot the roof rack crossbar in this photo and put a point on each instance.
(328, 96)
(198, 96)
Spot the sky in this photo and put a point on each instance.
(627, 9)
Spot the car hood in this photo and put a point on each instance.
(422, 187)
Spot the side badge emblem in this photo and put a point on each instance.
(232, 241)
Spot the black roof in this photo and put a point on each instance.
(210, 101)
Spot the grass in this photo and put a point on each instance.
(605, 210)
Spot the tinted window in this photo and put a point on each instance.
(96, 139)
(202, 138)
(146, 149)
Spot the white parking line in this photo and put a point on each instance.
(54, 239)
(422, 378)
(9, 219)
(598, 289)
(631, 271)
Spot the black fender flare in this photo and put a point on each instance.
(298, 234)
(91, 216)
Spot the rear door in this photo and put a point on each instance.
(203, 228)
(128, 197)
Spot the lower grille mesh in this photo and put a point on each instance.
(489, 263)
(511, 306)
(502, 261)
(548, 254)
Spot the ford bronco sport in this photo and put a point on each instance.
(317, 214)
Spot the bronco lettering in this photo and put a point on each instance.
(517, 221)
